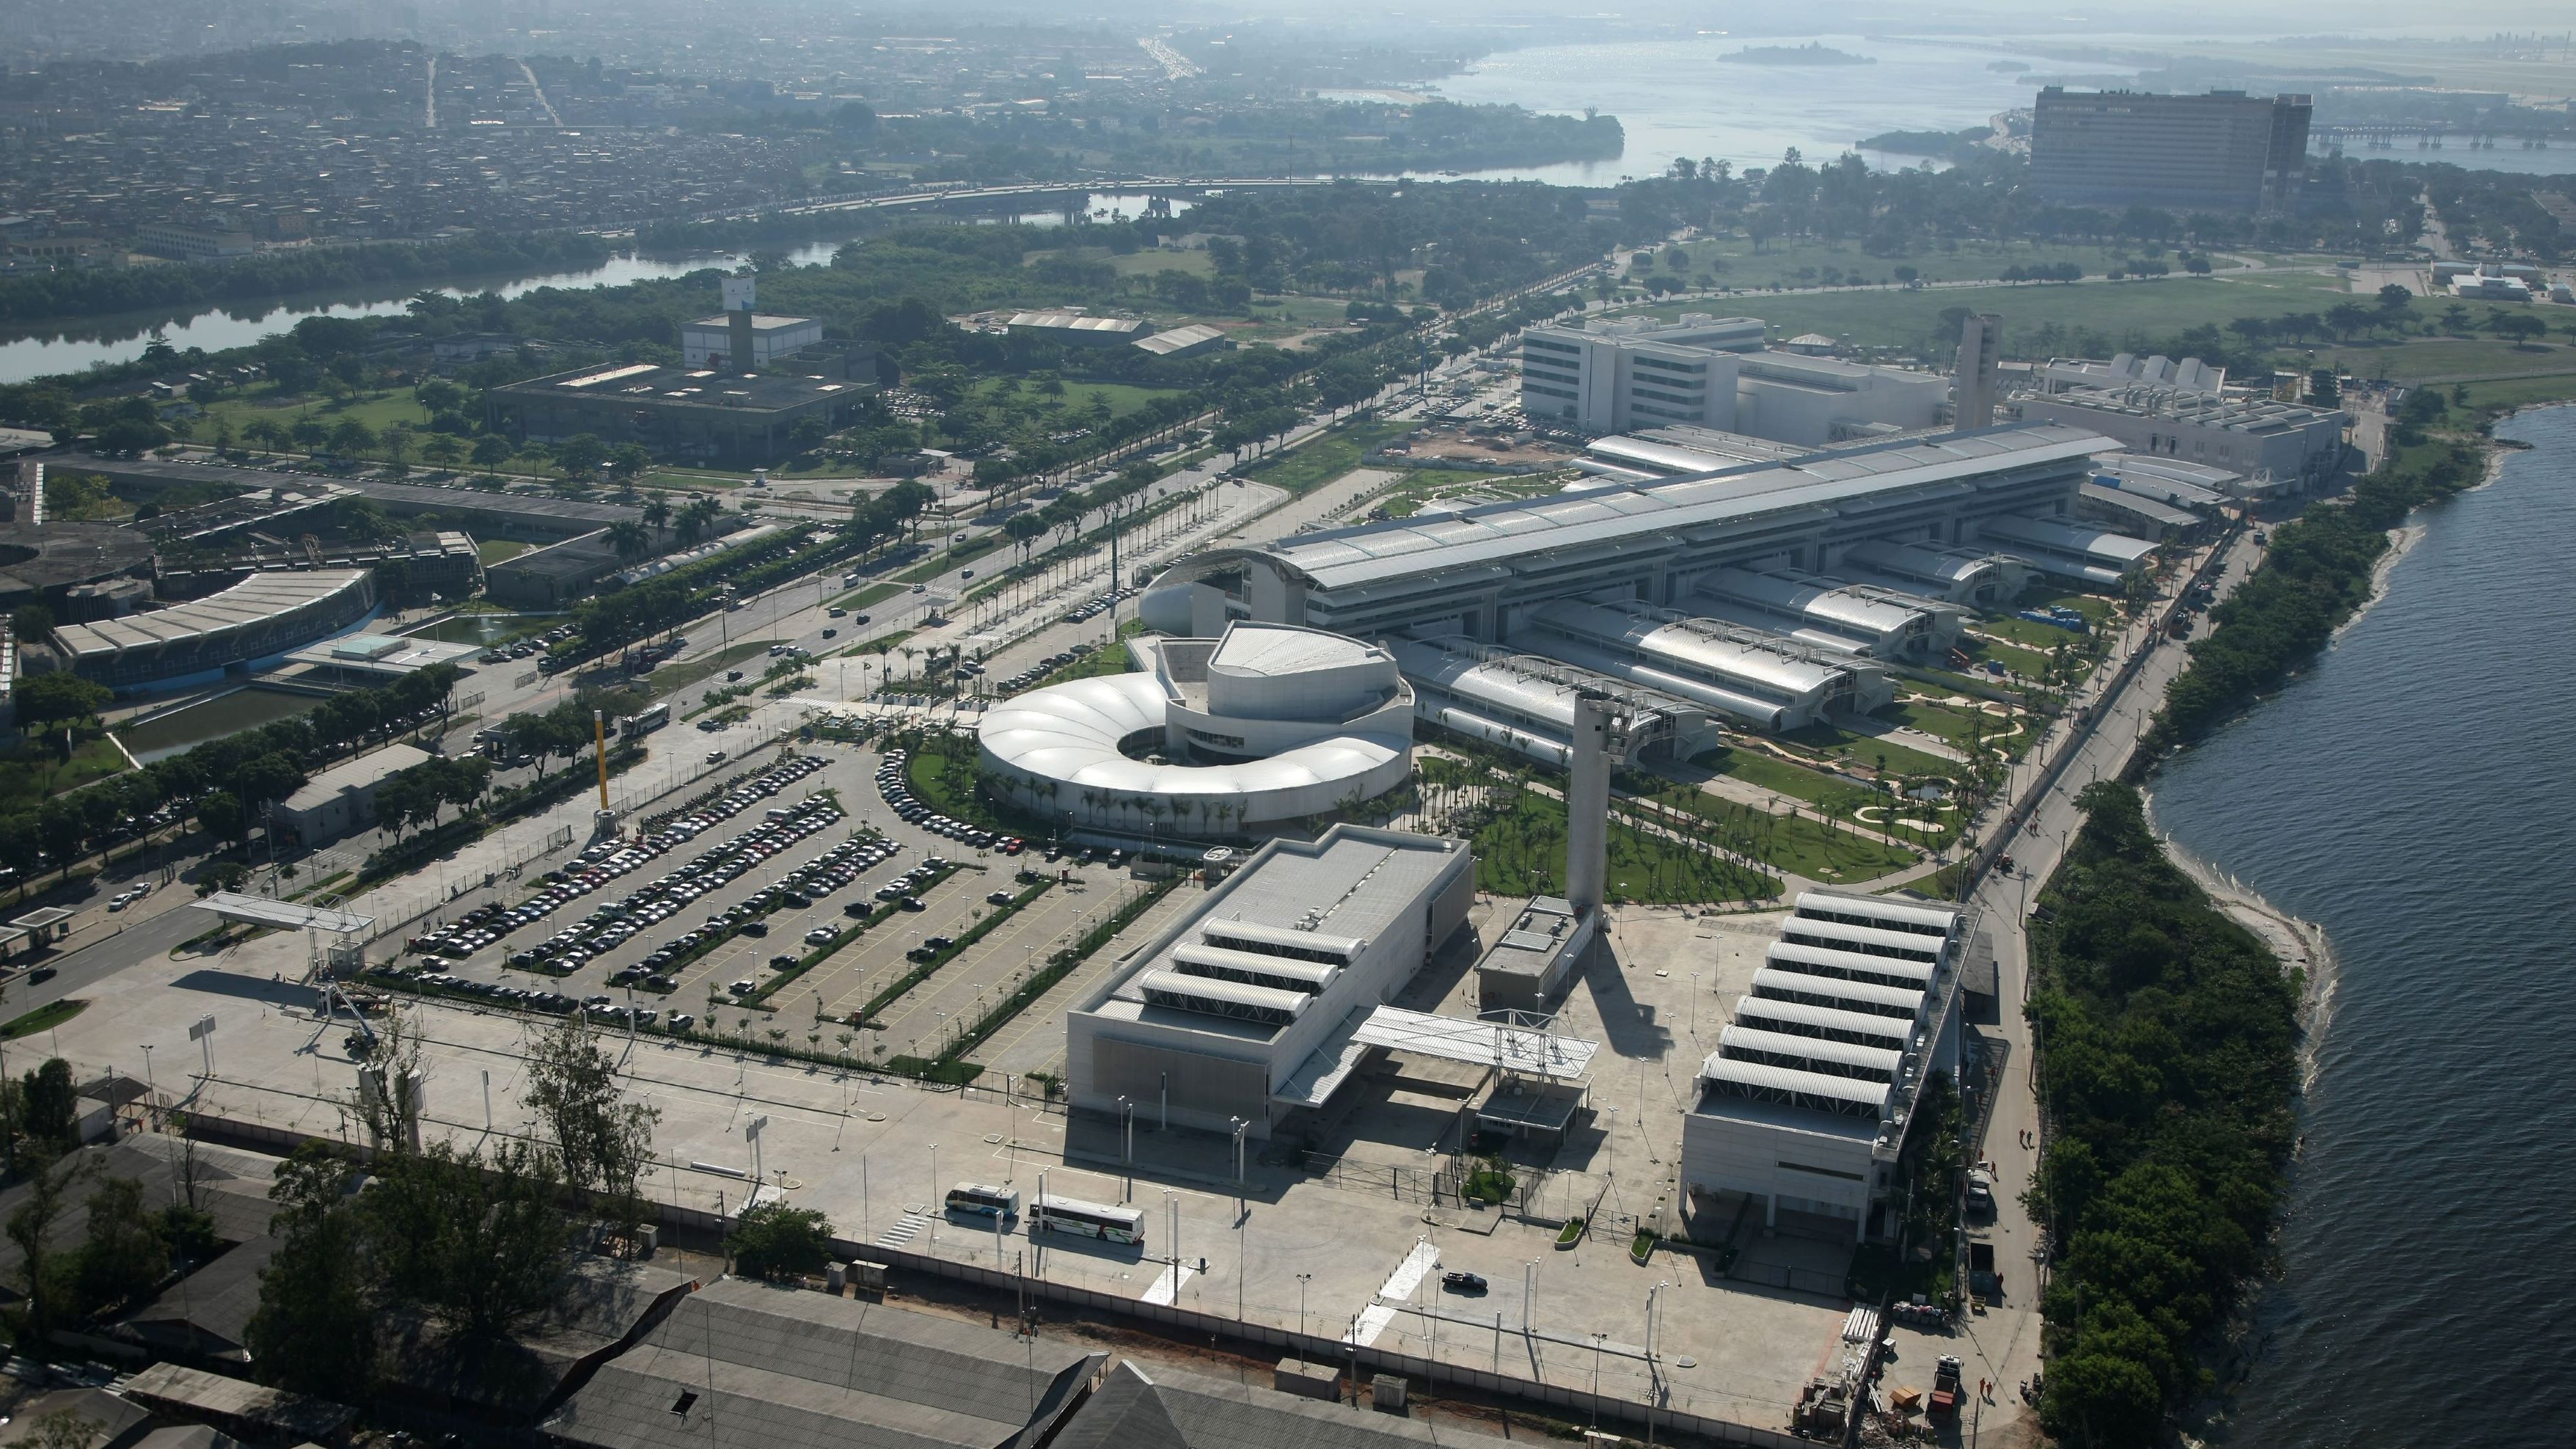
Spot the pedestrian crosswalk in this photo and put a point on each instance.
(907, 1228)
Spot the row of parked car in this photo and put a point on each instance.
(1095, 607)
(616, 922)
(596, 1008)
(601, 865)
(501, 653)
(899, 796)
(1042, 669)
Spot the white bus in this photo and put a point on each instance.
(981, 1201)
(1090, 1219)
(636, 726)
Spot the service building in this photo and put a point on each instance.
(1806, 1103)
(1251, 1006)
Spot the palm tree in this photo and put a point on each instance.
(630, 540)
(658, 512)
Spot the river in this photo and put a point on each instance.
(2411, 793)
(70, 347)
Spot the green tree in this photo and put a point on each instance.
(580, 455)
(476, 1240)
(222, 815)
(776, 1241)
(603, 1141)
(630, 539)
(50, 1103)
(59, 698)
(490, 451)
(30, 1228)
(314, 1331)
(350, 437)
(122, 1253)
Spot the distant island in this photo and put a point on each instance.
(1951, 146)
(2006, 67)
(1809, 54)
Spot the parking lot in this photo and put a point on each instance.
(685, 921)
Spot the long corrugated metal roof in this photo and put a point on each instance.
(1800, 1018)
(777, 1368)
(1741, 1042)
(254, 599)
(1622, 513)
(1791, 956)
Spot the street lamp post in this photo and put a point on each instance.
(1302, 1280)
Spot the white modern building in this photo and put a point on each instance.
(247, 627)
(1610, 376)
(1865, 619)
(1286, 960)
(2076, 374)
(1744, 675)
(1208, 737)
(2288, 443)
(1812, 401)
(709, 341)
(1493, 571)
(1525, 703)
(1805, 1103)
(1705, 372)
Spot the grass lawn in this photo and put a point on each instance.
(44, 1018)
(2524, 391)
(1801, 845)
(1124, 397)
(2440, 359)
(864, 598)
(2028, 662)
(1934, 719)
(2158, 308)
(1146, 263)
(496, 550)
(1304, 311)
(33, 769)
(1325, 457)
(260, 400)
(1859, 753)
(2030, 634)
(1803, 263)
(680, 676)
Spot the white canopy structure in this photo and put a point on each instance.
(1213, 737)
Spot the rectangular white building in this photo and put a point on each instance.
(2286, 443)
(1204, 1027)
(1702, 372)
(708, 342)
(1806, 1102)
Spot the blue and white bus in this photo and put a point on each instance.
(977, 1200)
(1089, 1219)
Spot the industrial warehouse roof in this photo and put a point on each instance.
(1180, 339)
(1138, 1408)
(746, 1365)
(652, 385)
(254, 600)
(1076, 322)
(1857, 607)
(2111, 548)
(363, 773)
(1645, 513)
(1722, 651)
(1542, 689)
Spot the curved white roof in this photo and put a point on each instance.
(1069, 736)
(1272, 650)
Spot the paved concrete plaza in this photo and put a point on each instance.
(1354, 1250)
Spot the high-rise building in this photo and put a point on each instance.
(2224, 151)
